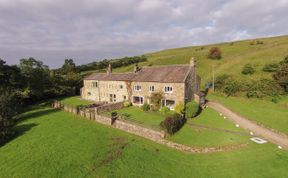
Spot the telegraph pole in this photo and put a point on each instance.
(213, 76)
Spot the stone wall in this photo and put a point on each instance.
(93, 114)
(109, 107)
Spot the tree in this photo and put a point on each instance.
(37, 77)
(9, 107)
(281, 75)
(215, 53)
(68, 67)
(248, 69)
(10, 76)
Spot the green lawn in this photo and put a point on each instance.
(75, 101)
(53, 143)
(197, 136)
(262, 111)
(148, 119)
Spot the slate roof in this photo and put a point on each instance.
(164, 74)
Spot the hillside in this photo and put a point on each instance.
(234, 56)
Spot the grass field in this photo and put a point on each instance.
(52, 143)
(271, 115)
(74, 101)
(192, 135)
(234, 58)
(147, 119)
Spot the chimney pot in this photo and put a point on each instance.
(109, 69)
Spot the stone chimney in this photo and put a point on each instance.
(136, 68)
(109, 69)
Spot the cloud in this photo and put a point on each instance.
(95, 29)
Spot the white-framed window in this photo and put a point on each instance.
(138, 100)
(137, 88)
(151, 88)
(169, 103)
(94, 84)
(168, 89)
(112, 97)
(121, 86)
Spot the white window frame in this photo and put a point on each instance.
(137, 88)
(140, 100)
(164, 103)
(151, 87)
(168, 89)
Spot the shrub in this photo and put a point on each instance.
(191, 109)
(156, 99)
(164, 110)
(127, 104)
(114, 114)
(248, 69)
(263, 88)
(232, 87)
(215, 53)
(179, 108)
(221, 81)
(125, 116)
(145, 107)
(270, 67)
(281, 75)
(172, 123)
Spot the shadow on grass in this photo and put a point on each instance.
(19, 131)
(35, 114)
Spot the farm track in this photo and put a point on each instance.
(270, 135)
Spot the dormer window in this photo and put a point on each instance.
(151, 88)
(168, 89)
(137, 88)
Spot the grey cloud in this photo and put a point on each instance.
(96, 29)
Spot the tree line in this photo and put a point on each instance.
(32, 81)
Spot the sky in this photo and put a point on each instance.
(90, 30)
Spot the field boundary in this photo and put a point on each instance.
(153, 135)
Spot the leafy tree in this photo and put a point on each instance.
(37, 77)
(68, 67)
(9, 107)
(281, 75)
(10, 76)
(248, 69)
(215, 53)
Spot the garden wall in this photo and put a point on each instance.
(93, 114)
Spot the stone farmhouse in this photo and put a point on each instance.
(177, 83)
